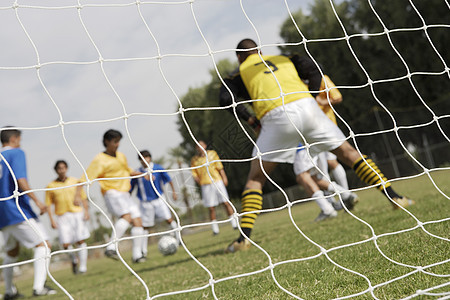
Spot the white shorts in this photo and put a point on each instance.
(278, 133)
(214, 194)
(121, 203)
(24, 234)
(155, 209)
(303, 163)
(72, 228)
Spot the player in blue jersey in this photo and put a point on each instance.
(151, 204)
(19, 226)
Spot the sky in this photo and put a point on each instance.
(99, 63)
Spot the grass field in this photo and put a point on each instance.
(308, 278)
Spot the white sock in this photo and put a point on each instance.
(121, 227)
(324, 205)
(137, 242)
(215, 227)
(8, 274)
(335, 187)
(174, 225)
(145, 242)
(340, 176)
(233, 223)
(83, 255)
(40, 271)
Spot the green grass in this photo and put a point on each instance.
(307, 278)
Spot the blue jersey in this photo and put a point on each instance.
(145, 190)
(9, 213)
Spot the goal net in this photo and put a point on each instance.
(70, 70)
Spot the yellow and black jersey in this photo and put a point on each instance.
(63, 198)
(107, 166)
(272, 80)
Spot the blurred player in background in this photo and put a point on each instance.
(151, 205)
(70, 218)
(284, 108)
(214, 190)
(17, 228)
(113, 164)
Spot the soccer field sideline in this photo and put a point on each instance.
(209, 251)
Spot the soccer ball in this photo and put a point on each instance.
(167, 245)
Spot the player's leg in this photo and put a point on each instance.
(117, 204)
(12, 253)
(81, 235)
(251, 198)
(369, 173)
(27, 236)
(337, 171)
(162, 211)
(303, 167)
(212, 217)
(222, 197)
(66, 232)
(312, 190)
(137, 232)
(148, 221)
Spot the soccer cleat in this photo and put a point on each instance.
(238, 246)
(323, 216)
(44, 291)
(111, 254)
(351, 201)
(139, 260)
(403, 202)
(16, 295)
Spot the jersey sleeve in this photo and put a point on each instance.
(94, 170)
(234, 88)
(307, 70)
(217, 163)
(48, 197)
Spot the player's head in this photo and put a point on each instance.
(245, 48)
(10, 137)
(147, 156)
(201, 147)
(61, 167)
(111, 139)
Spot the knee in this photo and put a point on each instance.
(14, 252)
(126, 217)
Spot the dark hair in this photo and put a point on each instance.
(111, 135)
(244, 45)
(6, 134)
(60, 162)
(144, 153)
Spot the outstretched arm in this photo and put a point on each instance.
(24, 187)
(234, 89)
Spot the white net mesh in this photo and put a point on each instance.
(72, 69)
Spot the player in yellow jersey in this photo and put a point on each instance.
(288, 114)
(70, 218)
(212, 183)
(302, 164)
(113, 164)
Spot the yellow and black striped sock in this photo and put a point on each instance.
(369, 173)
(251, 200)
